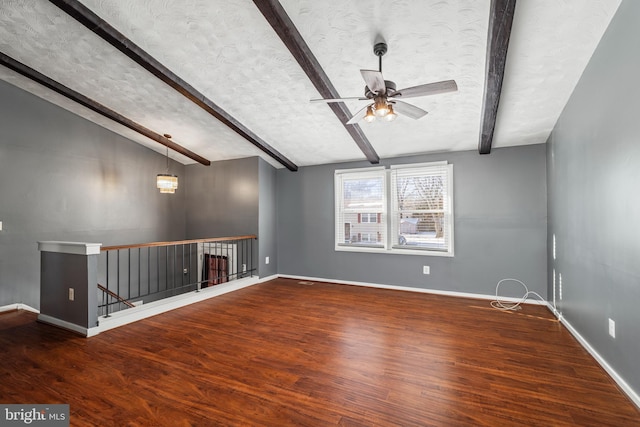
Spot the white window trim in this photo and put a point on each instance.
(394, 248)
(388, 247)
(374, 171)
(419, 165)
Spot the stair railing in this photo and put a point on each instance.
(130, 275)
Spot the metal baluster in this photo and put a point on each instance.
(128, 276)
(182, 269)
(149, 270)
(158, 269)
(118, 274)
(199, 273)
(139, 272)
(107, 278)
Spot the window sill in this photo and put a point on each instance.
(393, 251)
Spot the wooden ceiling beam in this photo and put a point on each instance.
(89, 103)
(500, 20)
(100, 27)
(277, 17)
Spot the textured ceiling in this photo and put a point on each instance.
(228, 51)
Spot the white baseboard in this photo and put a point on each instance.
(267, 278)
(144, 311)
(612, 372)
(18, 306)
(62, 324)
(411, 289)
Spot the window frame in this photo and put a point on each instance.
(390, 227)
(447, 208)
(378, 172)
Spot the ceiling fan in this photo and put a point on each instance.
(383, 98)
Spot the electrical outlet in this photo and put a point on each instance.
(612, 328)
(185, 271)
(426, 269)
(72, 294)
(244, 268)
(0, 225)
(266, 260)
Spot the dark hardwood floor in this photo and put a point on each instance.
(284, 353)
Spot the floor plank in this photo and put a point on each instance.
(284, 353)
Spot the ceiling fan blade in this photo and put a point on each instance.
(353, 98)
(427, 89)
(408, 109)
(374, 80)
(358, 116)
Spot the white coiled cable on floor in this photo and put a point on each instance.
(509, 305)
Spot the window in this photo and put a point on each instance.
(418, 198)
(361, 203)
(421, 207)
(369, 217)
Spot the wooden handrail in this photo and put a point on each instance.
(116, 296)
(177, 242)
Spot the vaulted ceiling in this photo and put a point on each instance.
(247, 88)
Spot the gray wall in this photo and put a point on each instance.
(267, 219)
(594, 208)
(222, 199)
(65, 178)
(500, 226)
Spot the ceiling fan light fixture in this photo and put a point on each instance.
(381, 107)
(369, 117)
(382, 94)
(391, 116)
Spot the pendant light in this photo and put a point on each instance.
(166, 182)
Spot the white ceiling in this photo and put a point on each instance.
(228, 51)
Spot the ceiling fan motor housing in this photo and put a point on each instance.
(390, 89)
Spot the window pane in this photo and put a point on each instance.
(420, 192)
(422, 213)
(421, 231)
(363, 193)
(361, 209)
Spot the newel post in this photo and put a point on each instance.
(68, 283)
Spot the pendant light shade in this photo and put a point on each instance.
(369, 117)
(391, 115)
(381, 107)
(166, 182)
